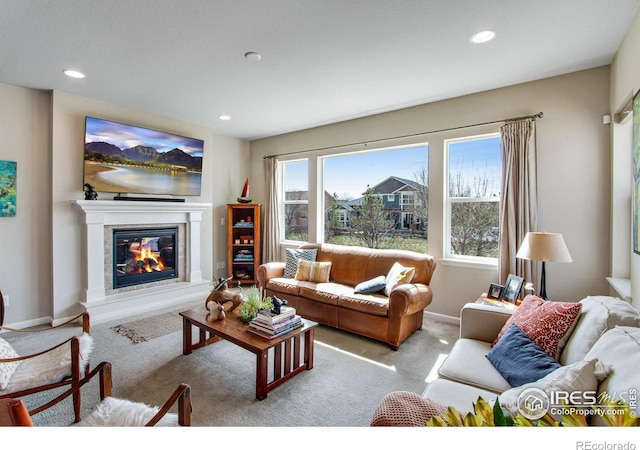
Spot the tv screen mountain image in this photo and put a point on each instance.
(123, 158)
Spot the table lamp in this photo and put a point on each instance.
(545, 247)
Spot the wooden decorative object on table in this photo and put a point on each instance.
(217, 303)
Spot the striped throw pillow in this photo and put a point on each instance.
(318, 272)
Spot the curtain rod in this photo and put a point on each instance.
(512, 119)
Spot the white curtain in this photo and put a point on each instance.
(518, 197)
(271, 248)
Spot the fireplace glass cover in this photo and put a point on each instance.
(144, 255)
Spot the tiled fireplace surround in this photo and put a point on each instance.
(101, 217)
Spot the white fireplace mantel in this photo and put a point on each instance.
(101, 213)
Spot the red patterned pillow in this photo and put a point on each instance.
(548, 324)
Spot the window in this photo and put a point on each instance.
(473, 201)
(296, 200)
(360, 202)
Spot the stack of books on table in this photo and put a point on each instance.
(270, 325)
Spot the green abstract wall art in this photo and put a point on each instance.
(8, 188)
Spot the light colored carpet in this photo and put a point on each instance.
(351, 375)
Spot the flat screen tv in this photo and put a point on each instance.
(127, 159)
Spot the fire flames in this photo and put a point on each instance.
(146, 261)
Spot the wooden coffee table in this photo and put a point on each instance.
(290, 355)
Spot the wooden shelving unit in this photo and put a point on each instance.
(243, 242)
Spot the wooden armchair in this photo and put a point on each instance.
(61, 365)
(110, 411)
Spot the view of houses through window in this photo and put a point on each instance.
(377, 199)
(380, 199)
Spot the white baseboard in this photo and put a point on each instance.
(443, 318)
(29, 323)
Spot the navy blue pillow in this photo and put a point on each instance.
(371, 286)
(520, 360)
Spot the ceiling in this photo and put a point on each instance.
(323, 61)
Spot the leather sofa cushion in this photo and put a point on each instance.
(367, 303)
(332, 294)
(467, 363)
(323, 292)
(284, 285)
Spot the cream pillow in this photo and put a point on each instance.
(7, 369)
(580, 376)
(398, 274)
(318, 272)
(598, 315)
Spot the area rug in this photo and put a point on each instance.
(150, 327)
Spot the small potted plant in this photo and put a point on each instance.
(255, 301)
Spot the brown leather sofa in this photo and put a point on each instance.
(389, 319)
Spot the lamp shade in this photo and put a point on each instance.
(541, 246)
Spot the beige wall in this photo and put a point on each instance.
(574, 173)
(25, 240)
(625, 82)
(46, 133)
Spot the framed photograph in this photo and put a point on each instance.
(495, 291)
(512, 288)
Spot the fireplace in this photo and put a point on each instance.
(101, 217)
(144, 255)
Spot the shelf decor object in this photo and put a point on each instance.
(244, 197)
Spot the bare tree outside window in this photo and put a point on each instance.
(474, 210)
(370, 224)
(421, 205)
(296, 200)
(296, 215)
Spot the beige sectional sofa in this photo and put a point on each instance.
(606, 330)
(389, 318)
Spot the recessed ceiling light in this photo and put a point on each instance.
(482, 36)
(224, 117)
(253, 56)
(73, 73)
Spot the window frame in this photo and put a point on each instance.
(449, 201)
(284, 202)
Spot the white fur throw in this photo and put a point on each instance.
(7, 369)
(115, 412)
(50, 367)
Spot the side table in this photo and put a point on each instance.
(483, 299)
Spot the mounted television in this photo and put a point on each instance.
(126, 159)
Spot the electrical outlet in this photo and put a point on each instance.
(6, 300)
(220, 265)
(222, 221)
